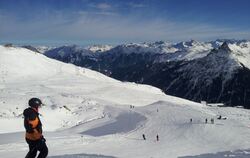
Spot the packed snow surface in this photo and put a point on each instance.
(89, 115)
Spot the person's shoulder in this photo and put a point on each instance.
(28, 112)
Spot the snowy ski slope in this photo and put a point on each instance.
(88, 115)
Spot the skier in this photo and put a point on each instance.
(191, 120)
(206, 120)
(82, 138)
(157, 137)
(33, 127)
(143, 136)
(212, 120)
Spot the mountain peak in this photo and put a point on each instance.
(225, 47)
(194, 42)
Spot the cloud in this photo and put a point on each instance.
(101, 6)
(100, 13)
(106, 27)
(136, 5)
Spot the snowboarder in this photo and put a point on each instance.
(157, 137)
(143, 136)
(33, 127)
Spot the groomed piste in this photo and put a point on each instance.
(89, 115)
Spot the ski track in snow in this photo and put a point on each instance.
(124, 123)
(81, 156)
(226, 154)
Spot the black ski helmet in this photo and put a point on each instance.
(35, 102)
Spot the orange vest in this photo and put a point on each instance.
(32, 124)
(36, 135)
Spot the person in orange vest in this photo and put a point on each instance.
(33, 127)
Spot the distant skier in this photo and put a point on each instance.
(81, 138)
(206, 120)
(143, 136)
(191, 120)
(219, 118)
(157, 137)
(33, 127)
(212, 120)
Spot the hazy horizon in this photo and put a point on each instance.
(87, 22)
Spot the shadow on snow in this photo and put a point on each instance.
(225, 154)
(81, 156)
(123, 123)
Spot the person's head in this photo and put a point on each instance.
(35, 103)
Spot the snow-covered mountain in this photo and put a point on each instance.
(175, 51)
(88, 114)
(221, 76)
(38, 49)
(99, 48)
(66, 51)
(168, 66)
(178, 51)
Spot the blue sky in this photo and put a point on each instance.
(85, 22)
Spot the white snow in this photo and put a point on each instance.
(175, 51)
(225, 60)
(43, 49)
(88, 115)
(99, 48)
(188, 50)
(241, 52)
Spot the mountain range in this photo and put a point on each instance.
(216, 71)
